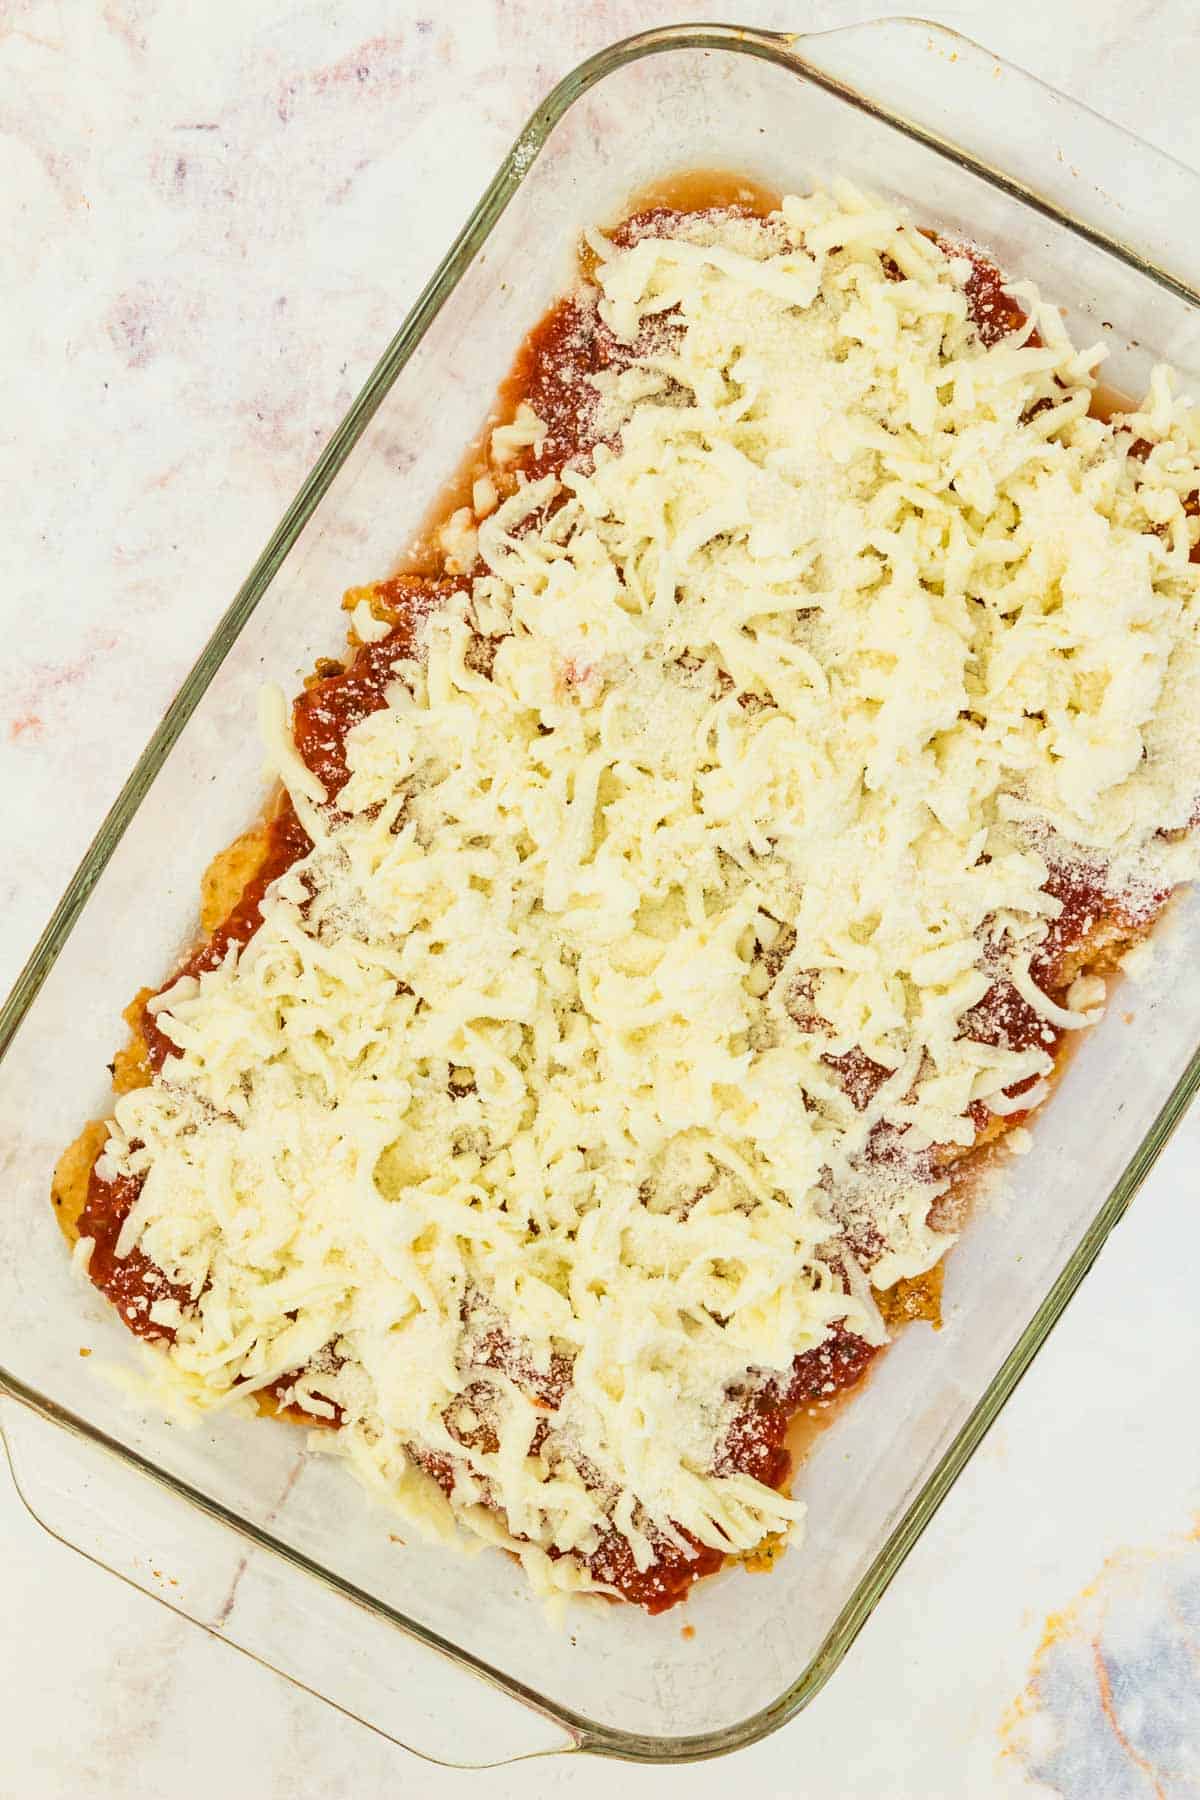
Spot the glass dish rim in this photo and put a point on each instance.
(785, 49)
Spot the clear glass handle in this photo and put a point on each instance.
(255, 1602)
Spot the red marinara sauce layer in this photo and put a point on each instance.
(552, 374)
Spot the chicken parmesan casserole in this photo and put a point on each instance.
(700, 857)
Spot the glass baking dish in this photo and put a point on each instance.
(239, 1526)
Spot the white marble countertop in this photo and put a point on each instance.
(212, 219)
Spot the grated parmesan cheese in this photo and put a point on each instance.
(515, 1135)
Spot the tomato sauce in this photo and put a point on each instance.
(331, 706)
(553, 373)
(132, 1282)
(756, 1445)
(756, 1442)
(993, 312)
(859, 1075)
(287, 842)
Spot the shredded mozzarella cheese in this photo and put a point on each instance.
(516, 1133)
